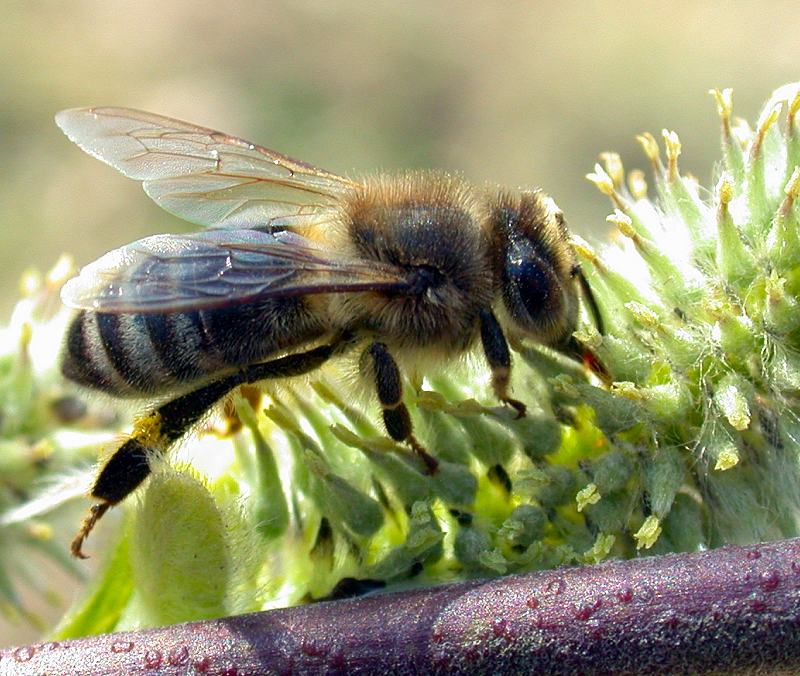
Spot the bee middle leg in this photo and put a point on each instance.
(129, 466)
(495, 347)
(396, 418)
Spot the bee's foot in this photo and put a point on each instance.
(95, 514)
(431, 463)
(518, 406)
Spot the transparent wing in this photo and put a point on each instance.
(202, 175)
(215, 268)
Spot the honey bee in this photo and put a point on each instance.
(296, 266)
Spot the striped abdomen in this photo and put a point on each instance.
(138, 355)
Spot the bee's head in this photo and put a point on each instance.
(536, 266)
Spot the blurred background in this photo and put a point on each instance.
(514, 94)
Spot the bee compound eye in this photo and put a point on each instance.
(532, 292)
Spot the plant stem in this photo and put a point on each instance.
(730, 610)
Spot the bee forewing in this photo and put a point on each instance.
(171, 273)
(199, 174)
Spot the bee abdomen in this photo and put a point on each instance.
(114, 353)
(79, 359)
(140, 355)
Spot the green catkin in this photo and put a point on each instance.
(687, 438)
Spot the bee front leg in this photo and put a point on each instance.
(396, 418)
(495, 347)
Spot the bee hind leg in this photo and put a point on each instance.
(157, 431)
(396, 418)
(495, 348)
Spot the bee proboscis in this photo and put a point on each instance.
(295, 266)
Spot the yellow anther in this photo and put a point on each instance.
(627, 389)
(643, 314)
(794, 106)
(792, 192)
(650, 146)
(673, 146)
(637, 184)
(614, 168)
(648, 534)
(602, 181)
(724, 101)
(623, 222)
(725, 189)
(767, 120)
(792, 188)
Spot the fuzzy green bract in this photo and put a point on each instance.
(691, 442)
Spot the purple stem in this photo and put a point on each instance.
(734, 609)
